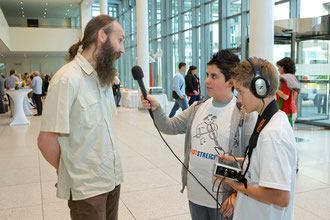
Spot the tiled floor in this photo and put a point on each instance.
(152, 175)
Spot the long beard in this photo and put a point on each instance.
(105, 60)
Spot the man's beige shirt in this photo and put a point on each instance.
(81, 110)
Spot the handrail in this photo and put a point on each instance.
(313, 81)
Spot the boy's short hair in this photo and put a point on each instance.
(225, 60)
(182, 65)
(243, 74)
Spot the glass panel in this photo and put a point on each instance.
(214, 38)
(235, 7)
(188, 47)
(281, 51)
(159, 13)
(213, 11)
(175, 7)
(175, 24)
(316, 8)
(312, 101)
(95, 10)
(314, 52)
(112, 12)
(234, 25)
(198, 12)
(282, 11)
(187, 5)
(175, 39)
(159, 30)
(187, 20)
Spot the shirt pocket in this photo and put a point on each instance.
(90, 113)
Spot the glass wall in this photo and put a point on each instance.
(189, 31)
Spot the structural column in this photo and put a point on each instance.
(262, 29)
(85, 14)
(143, 38)
(104, 7)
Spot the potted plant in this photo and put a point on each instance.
(16, 85)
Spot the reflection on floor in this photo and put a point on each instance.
(152, 175)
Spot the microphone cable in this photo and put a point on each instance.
(218, 204)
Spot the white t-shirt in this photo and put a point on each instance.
(211, 124)
(273, 165)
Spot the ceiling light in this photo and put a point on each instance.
(21, 3)
(22, 8)
(68, 10)
(64, 17)
(70, 4)
(45, 13)
(44, 16)
(46, 3)
(22, 15)
(22, 12)
(45, 9)
(66, 13)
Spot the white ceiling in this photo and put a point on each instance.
(37, 8)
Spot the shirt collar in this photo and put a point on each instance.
(84, 64)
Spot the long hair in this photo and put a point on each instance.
(90, 34)
(191, 68)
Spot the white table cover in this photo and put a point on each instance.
(18, 97)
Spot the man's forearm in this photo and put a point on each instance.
(50, 148)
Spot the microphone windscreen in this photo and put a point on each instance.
(137, 72)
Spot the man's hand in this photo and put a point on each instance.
(182, 97)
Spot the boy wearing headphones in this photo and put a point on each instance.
(266, 187)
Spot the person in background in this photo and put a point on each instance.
(12, 79)
(51, 75)
(25, 76)
(2, 94)
(179, 90)
(19, 76)
(45, 85)
(192, 85)
(77, 135)
(36, 86)
(289, 88)
(116, 89)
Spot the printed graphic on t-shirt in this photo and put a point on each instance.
(208, 128)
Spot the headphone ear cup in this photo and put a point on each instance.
(260, 86)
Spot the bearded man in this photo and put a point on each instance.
(77, 134)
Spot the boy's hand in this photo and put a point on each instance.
(150, 102)
(228, 206)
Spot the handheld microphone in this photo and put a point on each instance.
(138, 76)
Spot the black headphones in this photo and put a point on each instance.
(260, 84)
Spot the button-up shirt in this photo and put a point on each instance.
(179, 85)
(37, 85)
(10, 81)
(81, 110)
